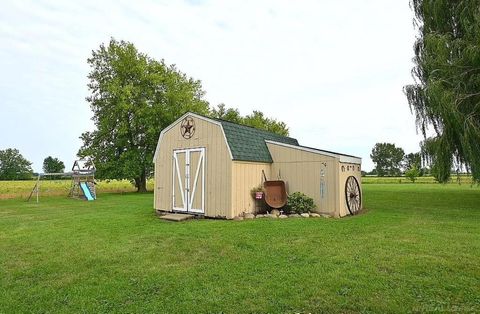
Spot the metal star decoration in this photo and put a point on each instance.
(187, 127)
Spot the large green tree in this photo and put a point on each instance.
(133, 97)
(13, 166)
(446, 94)
(256, 119)
(387, 158)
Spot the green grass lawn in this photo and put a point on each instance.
(417, 248)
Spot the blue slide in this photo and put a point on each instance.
(86, 191)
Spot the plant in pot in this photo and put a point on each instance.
(257, 192)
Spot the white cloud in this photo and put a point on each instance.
(334, 71)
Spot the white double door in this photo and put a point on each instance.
(189, 180)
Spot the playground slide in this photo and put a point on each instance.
(86, 191)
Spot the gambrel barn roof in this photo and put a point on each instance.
(247, 143)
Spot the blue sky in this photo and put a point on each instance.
(332, 70)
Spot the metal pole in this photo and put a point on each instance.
(38, 184)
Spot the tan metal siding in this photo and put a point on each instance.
(245, 176)
(218, 167)
(301, 170)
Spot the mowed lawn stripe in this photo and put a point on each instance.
(416, 248)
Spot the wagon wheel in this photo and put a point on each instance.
(353, 196)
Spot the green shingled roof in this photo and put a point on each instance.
(248, 144)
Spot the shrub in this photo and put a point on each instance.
(412, 174)
(298, 203)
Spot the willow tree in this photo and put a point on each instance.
(133, 97)
(446, 93)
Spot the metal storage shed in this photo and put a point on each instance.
(208, 166)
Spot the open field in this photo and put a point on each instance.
(462, 179)
(22, 189)
(417, 248)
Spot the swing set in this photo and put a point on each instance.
(83, 181)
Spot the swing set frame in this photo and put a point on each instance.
(82, 171)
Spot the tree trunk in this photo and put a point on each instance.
(141, 183)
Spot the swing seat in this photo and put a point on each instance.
(275, 193)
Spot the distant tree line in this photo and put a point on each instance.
(53, 165)
(392, 161)
(13, 166)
